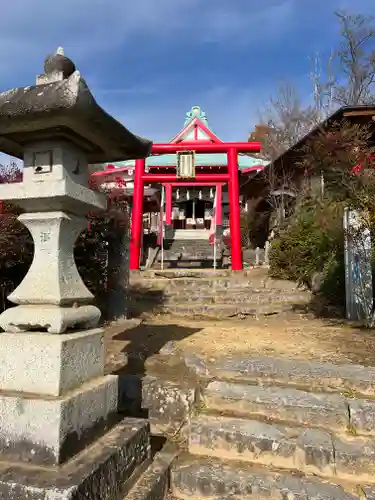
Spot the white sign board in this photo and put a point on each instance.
(358, 268)
(185, 168)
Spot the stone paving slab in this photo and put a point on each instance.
(301, 373)
(218, 480)
(308, 450)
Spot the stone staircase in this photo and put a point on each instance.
(280, 429)
(209, 294)
(188, 253)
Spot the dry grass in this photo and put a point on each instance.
(288, 335)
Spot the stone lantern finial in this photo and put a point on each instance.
(57, 67)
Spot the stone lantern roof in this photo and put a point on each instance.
(61, 105)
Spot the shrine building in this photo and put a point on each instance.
(191, 206)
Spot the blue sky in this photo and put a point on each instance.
(148, 61)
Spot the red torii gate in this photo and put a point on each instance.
(231, 177)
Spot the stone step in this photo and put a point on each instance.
(187, 252)
(197, 291)
(191, 247)
(197, 274)
(186, 264)
(310, 451)
(154, 482)
(186, 256)
(191, 234)
(200, 263)
(199, 477)
(238, 297)
(313, 409)
(187, 285)
(303, 374)
(203, 277)
(187, 244)
(216, 310)
(195, 249)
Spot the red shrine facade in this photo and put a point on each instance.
(195, 161)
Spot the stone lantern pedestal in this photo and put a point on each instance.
(60, 433)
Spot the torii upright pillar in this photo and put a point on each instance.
(137, 216)
(234, 210)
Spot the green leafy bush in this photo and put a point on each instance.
(313, 243)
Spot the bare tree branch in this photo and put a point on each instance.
(355, 59)
(285, 121)
(323, 83)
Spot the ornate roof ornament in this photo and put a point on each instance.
(196, 112)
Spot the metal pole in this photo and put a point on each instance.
(257, 256)
(267, 253)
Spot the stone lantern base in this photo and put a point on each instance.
(59, 426)
(107, 469)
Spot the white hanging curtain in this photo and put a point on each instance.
(213, 227)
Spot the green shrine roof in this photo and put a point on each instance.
(202, 159)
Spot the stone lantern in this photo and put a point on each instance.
(54, 398)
